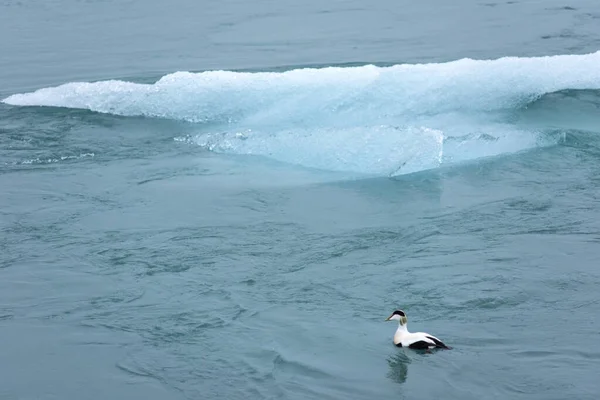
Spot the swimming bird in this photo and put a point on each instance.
(416, 340)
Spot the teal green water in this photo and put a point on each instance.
(226, 200)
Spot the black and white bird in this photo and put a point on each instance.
(416, 340)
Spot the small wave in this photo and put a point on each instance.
(285, 365)
(51, 160)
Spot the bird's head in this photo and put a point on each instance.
(399, 316)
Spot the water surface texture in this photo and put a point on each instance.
(206, 200)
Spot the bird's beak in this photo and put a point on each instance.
(388, 318)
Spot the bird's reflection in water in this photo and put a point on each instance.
(398, 367)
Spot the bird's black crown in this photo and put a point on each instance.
(399, 312)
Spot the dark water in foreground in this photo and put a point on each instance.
(244, 234)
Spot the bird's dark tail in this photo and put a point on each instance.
(439, 343)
